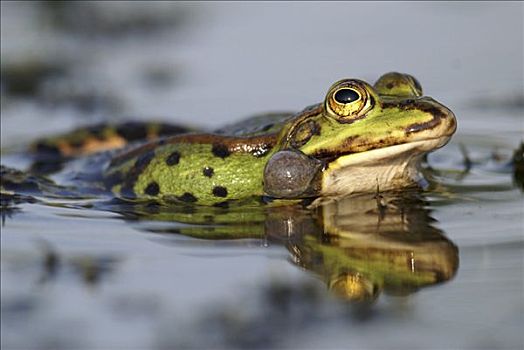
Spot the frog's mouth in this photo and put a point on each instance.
(383, 168)
(386, 155)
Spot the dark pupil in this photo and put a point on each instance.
(346, 96)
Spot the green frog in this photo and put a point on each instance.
(360, 138)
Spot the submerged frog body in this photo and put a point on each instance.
(359, 138)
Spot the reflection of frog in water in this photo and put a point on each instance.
(363, 251)
(360, 137)
(359, 246)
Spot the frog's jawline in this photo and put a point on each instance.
(384, 168)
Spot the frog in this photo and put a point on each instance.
(359, 138)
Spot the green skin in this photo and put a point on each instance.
(393, 112)
(334, 148)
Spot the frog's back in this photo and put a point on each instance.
(172, 162)
(204, 168)
(207, 169)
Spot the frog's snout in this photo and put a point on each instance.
(445, 116)
(450, 121)
(441, 124)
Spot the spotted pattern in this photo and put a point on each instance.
(188, 198)
(173, 158)
(220, 150)
(131, 177)
(208, 171)
(219, 191)
(183, 166)
(152, 189)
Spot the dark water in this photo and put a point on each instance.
(439, 269)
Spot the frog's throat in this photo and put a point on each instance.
(383, 169)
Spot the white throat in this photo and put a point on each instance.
(388, 168)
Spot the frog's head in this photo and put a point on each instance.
(369, 136)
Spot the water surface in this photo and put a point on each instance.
(84, 273)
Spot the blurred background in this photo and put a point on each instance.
(214, 62)
(66, 64)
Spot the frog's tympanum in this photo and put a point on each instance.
(359, 138)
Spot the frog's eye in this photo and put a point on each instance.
(398, 84)
(346, 95)
(348, 100)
